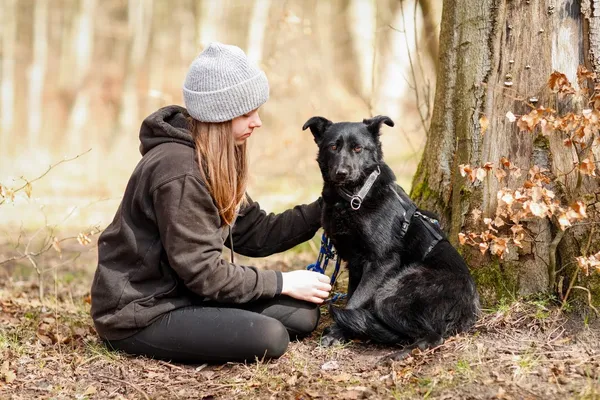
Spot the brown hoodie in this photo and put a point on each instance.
(163, 249)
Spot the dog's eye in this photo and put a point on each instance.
(333, 147)
(357, 149)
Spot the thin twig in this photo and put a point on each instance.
(52, 166)
(576, 271)
(136, 387)
(589, 298)
(170, 365)
(39, 273)
(552, 258)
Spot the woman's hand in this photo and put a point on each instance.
(306, 285)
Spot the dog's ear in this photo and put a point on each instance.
(373, 124)
(317, 125)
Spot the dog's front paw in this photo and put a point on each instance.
(330, 340)
(396, 356)
(332, 336)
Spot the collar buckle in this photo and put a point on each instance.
(355, 202)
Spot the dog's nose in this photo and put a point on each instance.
(341, 173)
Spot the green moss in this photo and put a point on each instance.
(496, 283)
(593, 284)
(579, 300)
(541, 142)
(421, 192)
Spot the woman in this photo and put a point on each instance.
(161, 288)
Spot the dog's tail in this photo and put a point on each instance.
(362, 323)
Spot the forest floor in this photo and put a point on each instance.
(49, 349)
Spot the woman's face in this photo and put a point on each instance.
(243, 126)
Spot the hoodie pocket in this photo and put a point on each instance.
(148, 308)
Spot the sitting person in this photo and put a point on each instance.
(162, 288)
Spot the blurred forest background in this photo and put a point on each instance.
(78, 77)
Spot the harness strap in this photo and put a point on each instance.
(410, 210)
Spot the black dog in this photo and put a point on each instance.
(407, 284)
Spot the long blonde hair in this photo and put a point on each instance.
(223, 165)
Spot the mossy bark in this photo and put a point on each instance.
(494, 57)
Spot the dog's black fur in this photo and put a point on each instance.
(401, 289)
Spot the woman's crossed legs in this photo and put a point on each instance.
(221, 333)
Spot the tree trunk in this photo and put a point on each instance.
(257, 28)
(211, 15)
(496, 56)
(361, 26)
(9, 33)
(82, 49)
(430, 28)
(37, 71)
(140, 22)
(161, 42)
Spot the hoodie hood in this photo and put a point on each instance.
(168, 124)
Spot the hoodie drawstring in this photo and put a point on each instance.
(231, 243)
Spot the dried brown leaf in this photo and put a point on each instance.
(579, 208)
(483, 246)
(563, 221)
(484, 123)
(500, 174)
(480, 174)
(584, 74)
(587, 166)
(559, 82)
(464, 169)
(83, 239)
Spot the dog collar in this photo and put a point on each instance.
(357, 199)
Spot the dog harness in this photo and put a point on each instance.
(410, 210)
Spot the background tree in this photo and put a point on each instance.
(495, 58)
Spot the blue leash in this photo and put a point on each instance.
(325, 254)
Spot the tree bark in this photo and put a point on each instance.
(494, 57)
(591, 25)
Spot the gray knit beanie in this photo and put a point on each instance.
(222, 84)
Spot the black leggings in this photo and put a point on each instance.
(221, 333)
